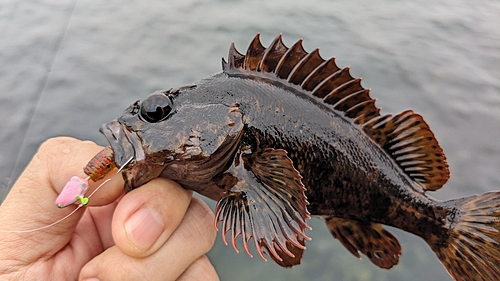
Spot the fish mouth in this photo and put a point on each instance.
(125, 144)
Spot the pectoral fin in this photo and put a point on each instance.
(268, 204)
(371, 239)
(286, 259)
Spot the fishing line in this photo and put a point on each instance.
(83, 202)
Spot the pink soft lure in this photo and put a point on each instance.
(74, 191)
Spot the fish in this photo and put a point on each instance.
(282, 135)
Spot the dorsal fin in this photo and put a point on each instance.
(410, 142)
(405, 137)
(323, 79)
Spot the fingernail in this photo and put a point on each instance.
(92, 279)
(144, 227)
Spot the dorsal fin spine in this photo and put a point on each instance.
(235, 58)
(264, 56)
(382, 121)
(296, 49)
(334, 92)
(254, 54)
(294, 70)
(319, 74)
(272, 56)
(346, 97)
(313, 73)
(323, 82)
(278, 67)
(280, 63)
(225, 65)
(369, 114)
(308, 63)
(298, 66)
(361, 104)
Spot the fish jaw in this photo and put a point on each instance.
(140, 174)
(125, 144)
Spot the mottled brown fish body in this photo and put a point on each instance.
(345, 173)
(282, 134)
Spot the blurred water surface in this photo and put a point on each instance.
(67, 66)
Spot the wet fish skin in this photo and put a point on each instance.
(364, 185)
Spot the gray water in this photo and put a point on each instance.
(67, 66)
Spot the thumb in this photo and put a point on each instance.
(30, 205)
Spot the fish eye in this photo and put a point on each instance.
(155, 108)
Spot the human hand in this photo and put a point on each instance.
(156, 232)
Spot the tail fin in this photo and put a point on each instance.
(472, 251)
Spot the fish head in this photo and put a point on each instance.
(161, 132)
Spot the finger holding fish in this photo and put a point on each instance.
(138, 256)
(163, 203)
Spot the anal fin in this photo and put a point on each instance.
(371, 239)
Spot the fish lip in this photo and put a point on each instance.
(125, 144)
